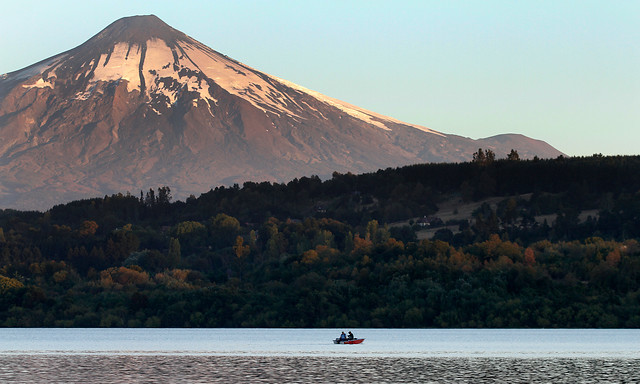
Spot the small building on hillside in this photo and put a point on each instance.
(430, 221)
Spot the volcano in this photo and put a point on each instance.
(142, 105)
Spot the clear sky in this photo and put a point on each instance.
(567, 72)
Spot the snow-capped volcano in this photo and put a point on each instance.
(141, 105)
(162, 63)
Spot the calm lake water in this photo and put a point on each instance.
(308, 355)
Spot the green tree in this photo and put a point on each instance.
(224, 229)
(484, 157)
(372, 231)
(479, 157)
(188, 227)
(164, 195)
(490, 156)
(174, 255)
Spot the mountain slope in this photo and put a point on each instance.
(141, 104)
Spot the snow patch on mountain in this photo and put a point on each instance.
(33, 70)
(121, 63)
(41, 83)
(372, 118)
(238, 79)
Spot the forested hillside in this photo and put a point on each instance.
(313, 253)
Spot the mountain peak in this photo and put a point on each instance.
(141, 104)
(137, 30)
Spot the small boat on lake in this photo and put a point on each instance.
(347, 341)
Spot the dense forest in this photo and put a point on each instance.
(343, 252)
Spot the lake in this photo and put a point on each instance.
(308, 355)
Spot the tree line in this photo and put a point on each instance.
(314, 253)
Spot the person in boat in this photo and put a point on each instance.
(343, 337)
(350, 336)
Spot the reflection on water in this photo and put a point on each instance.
(392, 343)
(104, 368)
(308, 355)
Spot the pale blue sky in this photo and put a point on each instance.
(567, 72)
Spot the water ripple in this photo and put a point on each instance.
(83, 368)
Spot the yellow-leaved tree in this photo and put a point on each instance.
(8, 283)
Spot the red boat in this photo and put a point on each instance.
(347, 341)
